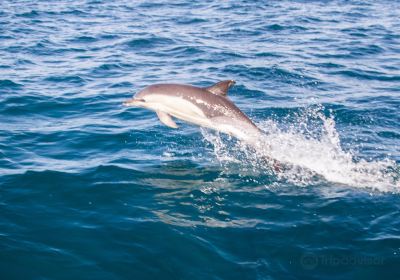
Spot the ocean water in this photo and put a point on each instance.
(90, 189)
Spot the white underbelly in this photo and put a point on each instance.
(189, 112)
(179, 108)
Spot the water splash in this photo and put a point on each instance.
(309, 149)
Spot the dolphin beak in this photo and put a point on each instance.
(134, 102)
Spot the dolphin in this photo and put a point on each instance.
(207, 107)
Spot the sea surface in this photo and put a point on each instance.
(90, 189)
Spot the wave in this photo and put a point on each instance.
(145, 43)
(9, 84)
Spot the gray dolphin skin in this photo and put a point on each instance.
(207, 107)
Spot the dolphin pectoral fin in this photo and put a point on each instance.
(166, 119)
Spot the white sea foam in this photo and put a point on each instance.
(307, 146)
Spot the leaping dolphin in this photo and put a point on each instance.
(207, 107)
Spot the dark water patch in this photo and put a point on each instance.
(184, 51)
(74, 12)
(383, 101)
(391, 67)
(9, 84)
(310, 19)
(367, 50)
(109, 36)
(111, 69)
(46, 177)
(389, 134)
(114, 66)
(226, 55)
(150, 5)
(191, 21)
(65, 51)
(103, 173)
(279, 27)
(275, 27)
(328, 65)
(240, 31)
(356, 15)
(83, 40)
(6, 37)
(349, 115)
(84, 57)
(367, 75)
(148, 43)
(334, 55)
(358, 34)
(357, 51)
(5, 162)
(31, 14)
(122, 85)
(356, 31)
(269, 54)
(25, 62)
(48, 48)
(73, 79)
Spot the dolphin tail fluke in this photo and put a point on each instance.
(166, 119)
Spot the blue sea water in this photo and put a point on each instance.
(90, 189)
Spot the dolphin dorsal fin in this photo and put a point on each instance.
(221, 88)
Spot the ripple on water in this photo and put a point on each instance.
(9, 84)
(148, 43)
(31, 14)
(83, 40)
(72, 79)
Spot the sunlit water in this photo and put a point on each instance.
(90, 189)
